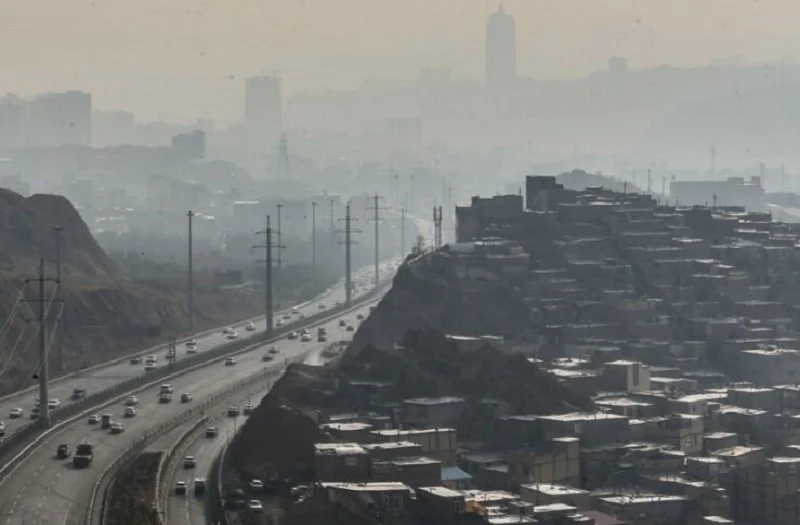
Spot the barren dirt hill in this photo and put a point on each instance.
(425, 294)
(104, 314)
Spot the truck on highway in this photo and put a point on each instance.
(84, 454)
(106, 420)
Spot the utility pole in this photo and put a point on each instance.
(333, 229)
(190, 287)
(348, 242)
(403, 233)
(314, 242)
(376, 209)
(280, 259)
(269, 308)
(437, 227)
(58, 334)
(43, 374)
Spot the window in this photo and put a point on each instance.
(636, 375)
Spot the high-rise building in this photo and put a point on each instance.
(501, 49)
(263, 106)
(58, 119)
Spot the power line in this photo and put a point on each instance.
(376, 209)
(268, 262)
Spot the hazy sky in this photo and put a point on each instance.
(181, 59)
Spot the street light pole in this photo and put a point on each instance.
(314, 242)
(190, 287)
(58, 333)
(279, 233)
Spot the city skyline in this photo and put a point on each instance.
(195, 56)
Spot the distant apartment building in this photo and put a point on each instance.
(733, 191)
(112, 128)
(501, 49)
(263, 107)
(60, 119)
(190, 145)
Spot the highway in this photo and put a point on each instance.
(191, 509)
(44, 490)
(104, 377)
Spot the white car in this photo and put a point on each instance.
(149, 366)
(233, 335)
(117, 428)
(255, 506)
(16, 413)
(227, 330)
(53, 404)
(191, 343)
(273, 350)
(295, 311)
(250, 327)
(131, 401)
(189, 462)
(256, 485)
(129, 412)
(306, 338)
(230, 361)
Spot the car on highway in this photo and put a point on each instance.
(250, 327)
(302, 315)
(94, 419)
(151, 359)
(34, 414)
(273, 350)
(350, 328)
(321, 306)
(16, 413)
(291, 336)
(233, 411)
(322, 338)
(189, 462)
(78, 394)
(230, 361)
(129, 412)
(286, 317)
(149, 366)
(117, 428)
(186, 398)
(212, 432)
(228, 330)
(135, 360)
(278, 323)
(233, 335)
(2, 428)
(199, 486)
(53, 404)
(295, 311)
(342, 322)
(165, 398)
(180, 488)
(62, 452)
(256, 485)
(267, 358)
(306, 338)
(131, 401)
(248, 409)
(191, 343)
(255, 506)
(360, 317)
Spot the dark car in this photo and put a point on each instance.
(62, 452)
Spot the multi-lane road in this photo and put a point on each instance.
(103, 377)
(43, 490)
(190, 509)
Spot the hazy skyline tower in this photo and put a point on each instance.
(263, 105)
(501, 49)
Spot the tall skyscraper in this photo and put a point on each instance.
(263, 106)
(501, 49)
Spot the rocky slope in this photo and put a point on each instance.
(425, 294)
(104, 314)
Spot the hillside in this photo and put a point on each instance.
(425, 294)
(105, 315)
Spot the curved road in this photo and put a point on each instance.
(46, 491)
(191, 509)
(105, 377)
